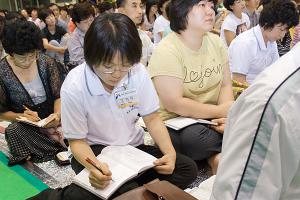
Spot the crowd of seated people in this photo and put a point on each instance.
(177, 58)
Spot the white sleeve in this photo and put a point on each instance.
(229, 24)
(73, 116)
(149, 101)
(239, 57)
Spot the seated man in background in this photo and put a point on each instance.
(82, 15)
(134, 10)
(256, 49)
(261, 145)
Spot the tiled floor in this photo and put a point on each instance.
(56, 176)
(49, 172)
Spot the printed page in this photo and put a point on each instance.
(120, 175)
(130, 156)
(181, 122)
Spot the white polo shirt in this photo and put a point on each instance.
(249, 55)
(89, 112)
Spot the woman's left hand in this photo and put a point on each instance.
(55, 120)
(165, 164)
(221, 125)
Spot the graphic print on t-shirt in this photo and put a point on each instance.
(203, 77)
(241, 28)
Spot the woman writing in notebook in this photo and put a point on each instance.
(29, 87)
(102, 100)
(190, 72)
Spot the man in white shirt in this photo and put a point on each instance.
(261, 145)
(134, 10)
(256, 49)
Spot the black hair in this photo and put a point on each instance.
(168, 11)
(111, 33)
(52, 4)
(279, 12)
(65, 8)
(21, 36)
(2, 24)
(44, 13)
(160, 5)
(149, 5)
(81, 11)
(120, 3)
(104, 6)
(264, 2)
(178, 13)
(228, 3)
(12, 16)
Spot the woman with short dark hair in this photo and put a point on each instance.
(190, 72)
(29, 87)
(95, 114)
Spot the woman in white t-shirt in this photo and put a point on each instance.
(151, 14)
(162, 22)
(235, 22)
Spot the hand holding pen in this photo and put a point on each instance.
(102, 179)
(31, 115)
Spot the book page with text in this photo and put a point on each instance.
(130, 156)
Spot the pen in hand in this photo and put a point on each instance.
(94, 165)
(32, 112)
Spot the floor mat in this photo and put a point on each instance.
(17, 183)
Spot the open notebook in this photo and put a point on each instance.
(125, 163)
(182, 122)
(42, 123)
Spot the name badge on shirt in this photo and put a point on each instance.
(126, 98)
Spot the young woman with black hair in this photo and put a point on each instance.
(94, 116)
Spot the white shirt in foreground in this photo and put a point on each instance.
(89, 112)
(249, 55)
(260, 157)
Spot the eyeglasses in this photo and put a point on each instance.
(110, 70)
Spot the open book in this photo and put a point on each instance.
(182, 122)
(42, 123)
(125, 163)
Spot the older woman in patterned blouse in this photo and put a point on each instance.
(29, 87)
